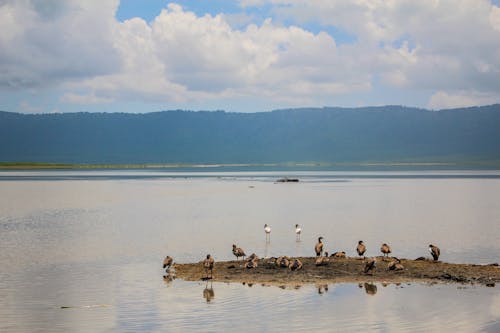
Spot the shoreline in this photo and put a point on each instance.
(398, 165)
(342, 270)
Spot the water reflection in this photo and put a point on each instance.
(370, 288)
(322, 288)
(101, 246)
(208, 292)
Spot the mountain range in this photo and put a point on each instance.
(329, 135)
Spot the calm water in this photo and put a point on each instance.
(93, 241)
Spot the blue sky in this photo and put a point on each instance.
(247, 55)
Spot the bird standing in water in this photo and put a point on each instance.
(435, 252)
(318, 248)
(298, 231)
(208, 264)
(267, 229)
(361, 248)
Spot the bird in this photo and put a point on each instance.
(298, 231)
(283, 261)
(322, 261)
(434, 250)
(385, 249)
(252, 257)
(267, 229)
(361, 248)
(395, 265)
(252, 263)
(208, 264)
(370, 265)
(168, 262)
(338, 254)
(319, 247)
(238, 252)
(295, 265)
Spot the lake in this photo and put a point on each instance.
(81, 251)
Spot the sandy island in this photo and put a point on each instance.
(343, 270)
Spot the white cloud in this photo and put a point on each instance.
(446, 100)
(84, 99)
(449, 48)
(49, 42)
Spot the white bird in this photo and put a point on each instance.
(267, 229)
(298, 231)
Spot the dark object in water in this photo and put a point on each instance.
(420, 259)
(287, 180)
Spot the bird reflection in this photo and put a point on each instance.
(168, 278)
(208, 292)
(370, 288)
(322, 288)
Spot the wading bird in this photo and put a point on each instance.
(385, 249)
(434, 250)
(267, 229)
(298, 231)
(238, 252)
(319, 247)
(361, 248)
(208, 264)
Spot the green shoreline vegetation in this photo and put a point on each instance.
(480, 164)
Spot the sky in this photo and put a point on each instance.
(246, 55)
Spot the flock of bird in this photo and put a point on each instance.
(322, 258)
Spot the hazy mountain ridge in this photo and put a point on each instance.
(390, 133)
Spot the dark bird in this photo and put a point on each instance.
(322, 261)
(267, 229)
(395, 265)
(168, 262)
(361, 248)
(385, 249)
(295, 265)
(298, 231)
(434, 250)
(318, 248)
(208, 264)
(338, 254)
(369, 265)
(238, 252)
